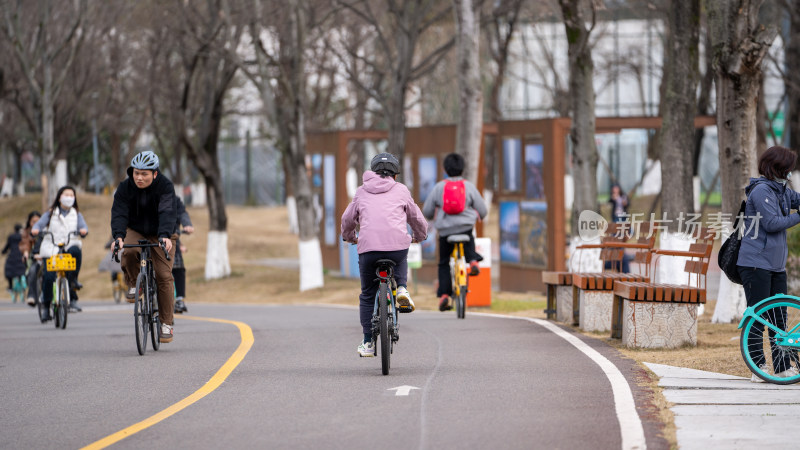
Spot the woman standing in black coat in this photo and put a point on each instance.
(15, 264)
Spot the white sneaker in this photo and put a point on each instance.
(366, 349)
(130, 296)
(166, 333)
(790, 372)
(755, 379)
(404, 302)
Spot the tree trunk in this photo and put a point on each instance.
(792, 83)
(397, 122)
(739, 44)
(582, 101)
(217, 261)
(677, 131)
(469, 130)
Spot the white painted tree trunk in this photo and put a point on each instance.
(217, 261)
(61, 175)
(311, 275)
(670, 268)
(291, 206)
(731, 302)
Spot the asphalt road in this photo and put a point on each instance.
(483, 382)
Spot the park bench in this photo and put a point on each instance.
(563, 297)
(663, 315)
(594, 292)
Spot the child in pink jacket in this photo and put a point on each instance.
(379, 212)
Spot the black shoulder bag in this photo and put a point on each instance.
(729, 252)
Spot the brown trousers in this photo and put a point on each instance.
(162, 267)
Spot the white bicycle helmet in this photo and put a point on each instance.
(145, 161)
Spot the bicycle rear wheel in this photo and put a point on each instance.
(155, 321)
(461, 302)
(383, 313)
(63, 303)
(140, 318)
(764, 353)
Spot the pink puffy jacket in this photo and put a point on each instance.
(379, 212)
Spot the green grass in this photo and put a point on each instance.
(500, 305)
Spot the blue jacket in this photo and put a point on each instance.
(764, 245)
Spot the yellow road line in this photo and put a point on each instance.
(247, 341)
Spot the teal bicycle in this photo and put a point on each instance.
(772, 356)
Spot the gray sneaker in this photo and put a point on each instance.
(788, 373)
(755, 379)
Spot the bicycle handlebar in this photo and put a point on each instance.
(115, 248)
(69, 236)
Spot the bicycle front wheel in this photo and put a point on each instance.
(770, 355)
(155, 321)
(383, 312)
(140, 318)
(63, 303)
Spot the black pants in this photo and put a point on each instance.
(369, 287)
(179, 275)
(445, 250)
(758, 285)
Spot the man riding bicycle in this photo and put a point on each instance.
(144, 208)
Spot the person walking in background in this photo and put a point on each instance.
(178, 268)
(380, 212)
(763, 251)
(61, 219)
(454, 205)
(29, 246)
(15, 262)
(619, 204)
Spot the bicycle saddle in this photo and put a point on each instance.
(458, 238)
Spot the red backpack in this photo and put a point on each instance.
(454, 198)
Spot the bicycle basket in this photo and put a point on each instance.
(63, 261)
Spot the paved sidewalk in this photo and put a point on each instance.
(718, 411)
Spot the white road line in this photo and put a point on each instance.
(629, 422)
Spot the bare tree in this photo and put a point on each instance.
(279, 34)
(469, 130)
(679, 102)
(395, 65)
(208, 35)
(45, 38)
(739, 45)
(582, 101)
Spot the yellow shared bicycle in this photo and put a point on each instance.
(460, 273)
(61, 263)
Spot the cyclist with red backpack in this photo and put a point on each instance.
(454, 205)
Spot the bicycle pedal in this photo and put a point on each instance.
(404, 310)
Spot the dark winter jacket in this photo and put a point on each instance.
(764, 244)
(150, 211)
(15, 265)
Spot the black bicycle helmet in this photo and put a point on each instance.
(385, 164)
(145, 161)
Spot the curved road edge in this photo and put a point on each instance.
(631, 428)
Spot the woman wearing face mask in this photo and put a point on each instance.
(62, 218)
(762, 256)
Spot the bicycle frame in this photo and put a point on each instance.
(784, 338)
(459, 267)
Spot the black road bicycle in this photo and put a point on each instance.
(145, 309)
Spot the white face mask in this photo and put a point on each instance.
(67, 201)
